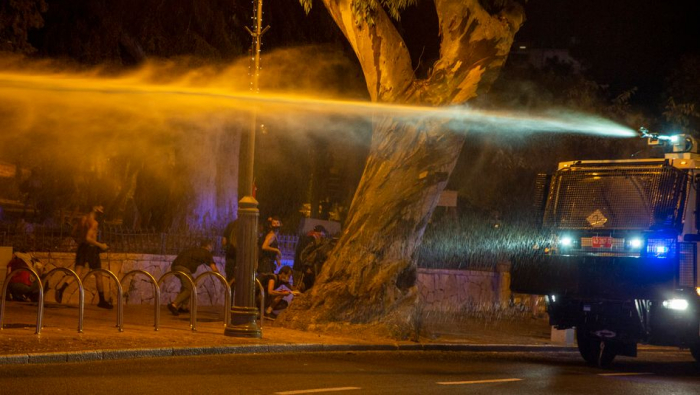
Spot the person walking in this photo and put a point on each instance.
(87, 256)
(187, 262)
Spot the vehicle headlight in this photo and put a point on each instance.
(636, 243)
(676, 304)
(566, 241)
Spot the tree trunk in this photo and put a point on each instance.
(370, 275)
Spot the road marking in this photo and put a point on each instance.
(318, 390)
(623, 374)
(476, 381)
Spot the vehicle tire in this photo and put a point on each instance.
(695, 351)
(589, 347)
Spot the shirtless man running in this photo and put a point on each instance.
(88, 255)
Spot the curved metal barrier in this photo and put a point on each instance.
(156, 289)
(81, 292)
(193, 297)
(227, 301)
(40, 307)
(120, 307)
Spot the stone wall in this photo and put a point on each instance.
(450, 290)
(443, 290)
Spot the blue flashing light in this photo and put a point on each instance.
(661, 248)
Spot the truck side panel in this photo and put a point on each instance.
(618, 278)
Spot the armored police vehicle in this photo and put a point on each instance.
(621, 261)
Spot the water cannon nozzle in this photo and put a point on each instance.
(659, 139)
(675, 143)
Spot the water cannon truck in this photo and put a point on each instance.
(619, 257)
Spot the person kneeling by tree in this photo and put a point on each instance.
(276, 288)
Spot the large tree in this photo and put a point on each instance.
(371, 273)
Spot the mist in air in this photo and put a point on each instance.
(182, 120)
(159, 94)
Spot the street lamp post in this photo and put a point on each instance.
(243, 321)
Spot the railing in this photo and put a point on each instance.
(287, 244)
(192, 282)
(122, 239)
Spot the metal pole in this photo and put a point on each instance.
(243, 321)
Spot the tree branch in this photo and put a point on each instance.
(474, 46)
(380, 49)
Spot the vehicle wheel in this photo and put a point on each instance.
(695, 351)
(594, 351)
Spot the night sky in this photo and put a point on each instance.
(624, 43)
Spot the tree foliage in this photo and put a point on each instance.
(17, 19)
(681, 108)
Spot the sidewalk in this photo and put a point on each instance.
(60, 341)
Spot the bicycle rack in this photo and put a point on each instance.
(227, 288)
(120, 307)
(40, 307)
(193, 296)
(156, 289)
(81, 293)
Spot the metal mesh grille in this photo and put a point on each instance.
(615, 245)
(686, 267)
(637, 196)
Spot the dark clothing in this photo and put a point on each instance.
(230, 267)
(193, 258)
(187, 262)
(313, 258)
(230, 235)
(88, 255)
(304, 241)
(231, 244)
(265, 281)
(22, 292)
(268, 259)
(184, 295)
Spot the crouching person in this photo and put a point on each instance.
(23, 286)
(187, 262)
(277, 289)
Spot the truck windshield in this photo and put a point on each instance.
(616, 196)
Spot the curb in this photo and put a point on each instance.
(104, 355)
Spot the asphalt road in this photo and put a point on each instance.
(653, 373)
